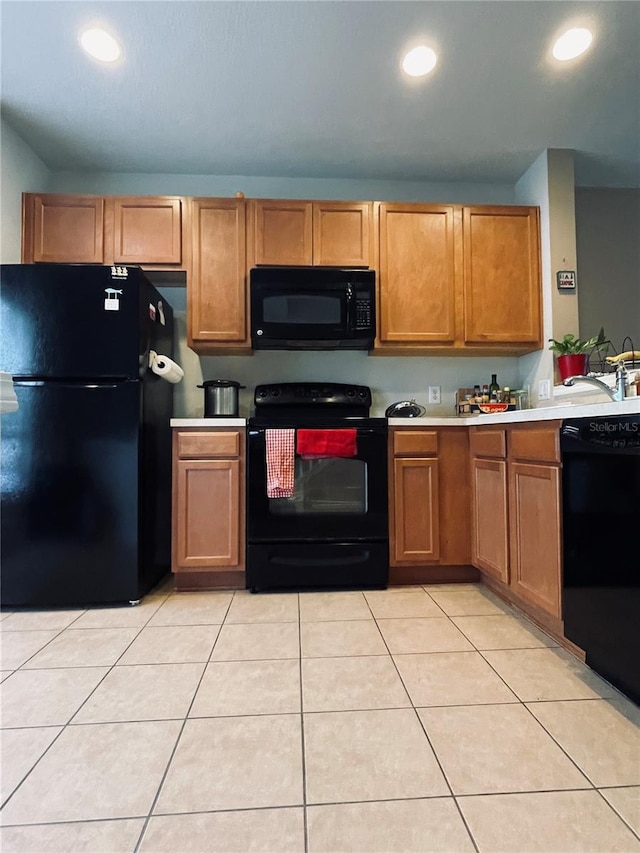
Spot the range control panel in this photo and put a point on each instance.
(308, 394)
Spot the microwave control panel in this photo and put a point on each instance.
(363, 314)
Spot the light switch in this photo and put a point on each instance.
(544, 389)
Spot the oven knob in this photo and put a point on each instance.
(275, 392)
(263, 393)
(351, 392)
(363, 393)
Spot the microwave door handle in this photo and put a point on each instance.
(350, 323)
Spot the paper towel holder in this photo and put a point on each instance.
(165, 367)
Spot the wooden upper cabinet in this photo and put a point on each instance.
(282, 232)
(217, 292)
(502, 292)
(147, 230)
(417, 273)
(456, 279)
(63, 229)
(342, 233)
(305, 233)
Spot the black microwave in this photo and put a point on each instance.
(312, 308)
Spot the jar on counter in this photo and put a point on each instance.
(521, 399)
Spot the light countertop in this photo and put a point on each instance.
(630, 406)
(212, 423)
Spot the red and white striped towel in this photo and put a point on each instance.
(280, 445)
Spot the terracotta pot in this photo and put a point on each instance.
(573, 365)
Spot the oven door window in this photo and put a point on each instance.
(336, 486)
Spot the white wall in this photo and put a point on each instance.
(309, 188)
(21, 170)
(607, 223)
(608, 242)
(390, 378)
(533, 188)
(549, 183)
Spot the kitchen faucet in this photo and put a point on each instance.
(618, 394)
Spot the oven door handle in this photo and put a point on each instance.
(310, 561)
(359, 430)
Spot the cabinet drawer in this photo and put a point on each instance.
(488, 442)
(205, 445)
(410, 442)
(541, 444)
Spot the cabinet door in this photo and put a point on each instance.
(415, 535)
(342, 233)
(147, 230)
(490, 531)
(207, 526)
(282, 232)
(535, 534)
(502, 289)
(63, 229)
(217, 291)
(417, 274)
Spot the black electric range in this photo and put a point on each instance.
(328, 528)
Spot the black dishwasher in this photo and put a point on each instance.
(601, 566)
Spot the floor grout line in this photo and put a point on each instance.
(303, 713)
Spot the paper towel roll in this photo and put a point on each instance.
(165, 367)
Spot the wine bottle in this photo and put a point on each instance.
(494, 388)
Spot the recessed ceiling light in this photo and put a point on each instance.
(99, 44)
(419, 61)
(572, 43)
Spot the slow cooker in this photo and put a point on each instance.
(221, 397)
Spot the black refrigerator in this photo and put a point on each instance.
(85, 508)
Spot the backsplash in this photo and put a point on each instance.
(390, 378)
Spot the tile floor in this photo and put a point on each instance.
(411, 719)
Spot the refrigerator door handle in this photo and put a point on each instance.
(80, 383)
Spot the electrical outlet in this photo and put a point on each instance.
(434, 394)
(544, 389)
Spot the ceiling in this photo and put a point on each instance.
(314, 89)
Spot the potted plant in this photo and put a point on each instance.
(573, 353)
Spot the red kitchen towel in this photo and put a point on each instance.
(323, 443)
(280, 445)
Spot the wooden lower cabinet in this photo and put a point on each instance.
(517, 499)
(416, 504)
(208, 508)
(490, 530)
(429, 505)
